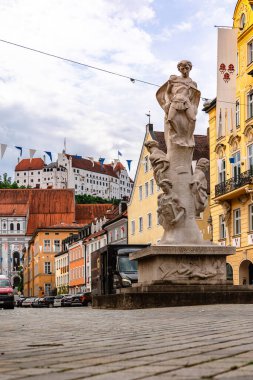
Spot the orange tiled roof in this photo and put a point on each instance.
(65, 226)
(45, 207)
(13, 209)
(86, 213)
(27, 164)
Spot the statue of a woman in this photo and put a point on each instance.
(179, 98)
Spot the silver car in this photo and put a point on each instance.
(58, 300)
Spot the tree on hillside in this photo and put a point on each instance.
(89, 199)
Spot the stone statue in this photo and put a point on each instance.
(183, 194)
(170, 210)
(179, 98)
(158, 160)
(199, 185)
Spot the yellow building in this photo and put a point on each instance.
(143, 224)
(231, 158)
(39, 259)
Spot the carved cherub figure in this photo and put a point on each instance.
(158, 160)
(170, 210)
(199, 185)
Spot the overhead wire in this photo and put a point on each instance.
(133, 80)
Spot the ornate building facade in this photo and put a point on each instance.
(231, 159)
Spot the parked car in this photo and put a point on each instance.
(6, 293)
(20, 300)
(46, 301)
(81, 299)
(35, 303)
(58, 301)
(67, 300)
(28, 302)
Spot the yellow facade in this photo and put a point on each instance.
(233, 193)
(143, 227)
(39, 260)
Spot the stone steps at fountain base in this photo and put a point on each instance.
(156, 296)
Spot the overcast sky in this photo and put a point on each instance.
(43, 99)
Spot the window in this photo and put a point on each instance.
(47, 289)
(237, 221)
(57, 245)
(12, 227)
(222, 227)
(237, 166)
(250, 158)
(251, 217)
(250, 52)
(133, 227)
(250, 104)
(151, 187)
(146, 189)
(140, 193)
(18, 226)
(47, 267)
(146, 164)
(140, 224)
(237, 113)
(149, 220)
(47, 245)
(222, 170)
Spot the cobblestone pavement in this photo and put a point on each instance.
(199, 342)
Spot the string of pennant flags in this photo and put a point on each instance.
(32, 152)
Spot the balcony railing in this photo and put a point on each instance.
(234, 183)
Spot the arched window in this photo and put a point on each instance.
(242, 21)
(229, 272)
(18, 226)
(12, 227)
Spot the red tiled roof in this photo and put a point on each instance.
(119, 167)
(83, 163)
(27, 164)
(14, 209)
(45, 207)
(86, 213)
(65, 226)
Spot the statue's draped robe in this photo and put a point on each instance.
(184, 98)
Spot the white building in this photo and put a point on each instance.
(74, 172)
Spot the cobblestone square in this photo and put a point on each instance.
(210, 342)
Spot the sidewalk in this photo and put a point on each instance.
(198, 342)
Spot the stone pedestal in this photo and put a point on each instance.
(182, 264)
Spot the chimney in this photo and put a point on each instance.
(122, 206)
